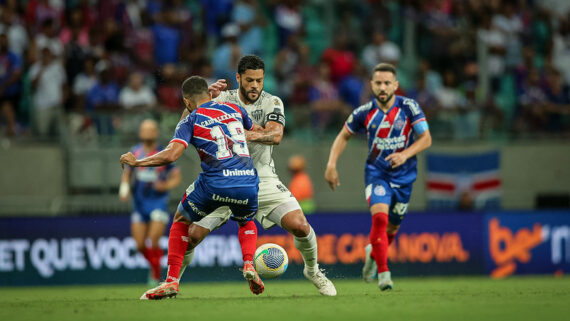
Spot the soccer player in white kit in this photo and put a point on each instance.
(276, 204)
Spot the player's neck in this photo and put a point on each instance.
(388, 105)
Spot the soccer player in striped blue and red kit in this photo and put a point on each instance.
(396, 130)
(149, 190)
(228, 178)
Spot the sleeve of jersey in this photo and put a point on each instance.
(184, 131)
(247, 122)
(275, 112)
(418, 119)
(354, 123)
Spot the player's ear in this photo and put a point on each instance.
(237, 77)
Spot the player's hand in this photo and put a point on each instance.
(216, 88)
(396, 159)
(161, 186)
(128, 159)
(331, 176)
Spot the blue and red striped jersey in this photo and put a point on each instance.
(217, 132)
(145, 197)
(388, 133)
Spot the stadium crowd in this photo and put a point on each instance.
(97, 68)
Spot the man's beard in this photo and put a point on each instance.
(383, 102)
(244, 94)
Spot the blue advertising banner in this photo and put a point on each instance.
(83, 250)
(527, 243)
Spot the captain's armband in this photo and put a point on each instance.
(276, 117)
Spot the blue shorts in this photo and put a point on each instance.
(150, 210)
(201, 200)
(397, 197)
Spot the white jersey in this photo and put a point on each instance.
(258, 112)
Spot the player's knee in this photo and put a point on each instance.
(194, 239)
(141, 247)
(296, 224)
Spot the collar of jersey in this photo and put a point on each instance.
(376, 105)
(207, 104)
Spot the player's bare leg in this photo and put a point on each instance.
(139, 234)
(247, 235)
(379, 242)
(155, 231)
(305, 241)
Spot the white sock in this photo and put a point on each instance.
(308, 247)
(188, 257)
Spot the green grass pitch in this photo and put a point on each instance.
(461, 299)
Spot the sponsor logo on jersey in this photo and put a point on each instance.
(390, 143)
(276, 102)
(282, 188)
(380, 190)
(238, 172)
(413, 105)
(220, 119)
(226, 199)
(385, 124)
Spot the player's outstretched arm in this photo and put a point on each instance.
(331, 173)
(168, 155)
(124, 188)
(423, 142)
(270, 135)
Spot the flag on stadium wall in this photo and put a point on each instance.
(466, 181)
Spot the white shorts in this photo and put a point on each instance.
(274, 199)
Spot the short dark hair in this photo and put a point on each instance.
(194, 86)
(384, 67)
(252, 62)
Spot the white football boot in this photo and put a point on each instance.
(385, 281)
(370, 269)
(323, 284)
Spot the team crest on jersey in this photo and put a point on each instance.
(399, 124)
(380, 190)
(257, 115)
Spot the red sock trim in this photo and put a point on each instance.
(379, 241)
(177, 245)
(247, 235)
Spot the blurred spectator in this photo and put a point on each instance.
(285, 62)
(380, 50)
(169, 96)
(48, 81)
(140, 43)
(83, 83)
(17, 36)
(558, 107)
(245, 14)
(216, 15)
(450, 99)
(289, 20)
(103, 99)
(302, 80)
(136, 95)
(496, 43)
(75, 30)
(561, 49)
(424, 97)
(46, 38)
(301, 185)
(339, 59)
(532, 102)
(40, 11)
(166, 38)
(325, 103)
(354, 89)
(227, 55)
(510, 24)
(10, 87)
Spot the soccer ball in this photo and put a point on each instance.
(270, 260)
